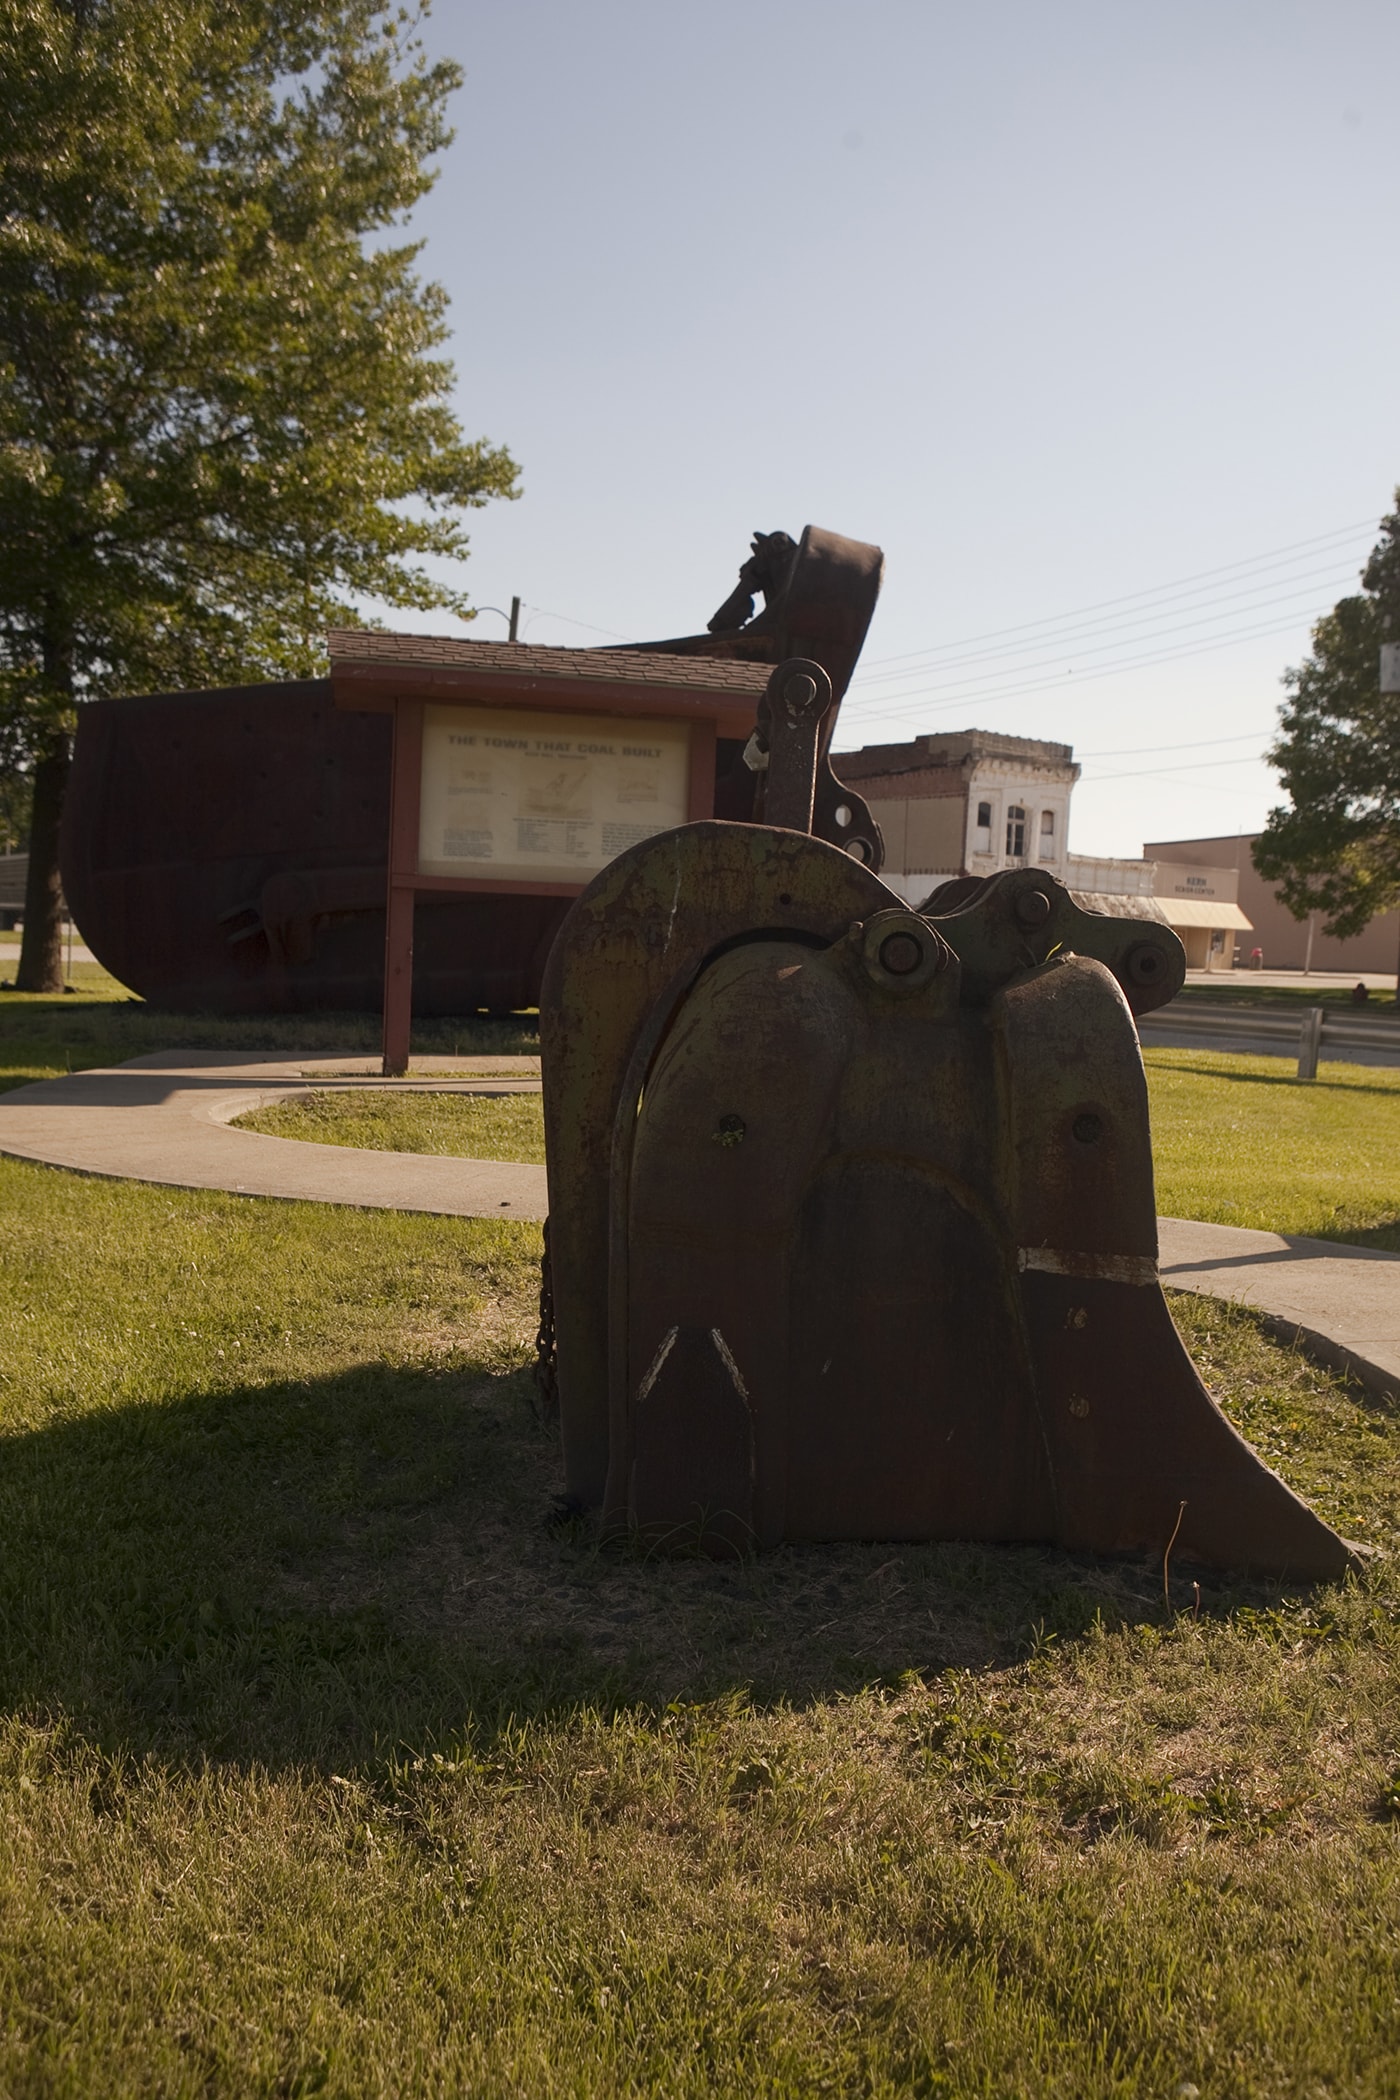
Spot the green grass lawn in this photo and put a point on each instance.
(1240, 990)
(329, 1764)
(1243, 1141)
(465, 1126)
(87, 980)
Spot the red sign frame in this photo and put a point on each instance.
(401, 674)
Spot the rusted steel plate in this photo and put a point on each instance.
(626, 953)
(805, 1185)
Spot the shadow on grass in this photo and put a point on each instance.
(1225, 1066)
(329, 1573)
(1385, 1237)
(1287, 998)
(76, 1034)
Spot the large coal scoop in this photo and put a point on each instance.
(852, 1225)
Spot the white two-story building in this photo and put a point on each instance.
(964, 802)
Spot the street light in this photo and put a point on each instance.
(513, 616)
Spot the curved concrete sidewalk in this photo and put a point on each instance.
(165, 1118)
(1342, 1303)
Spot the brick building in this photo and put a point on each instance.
(1288, 943)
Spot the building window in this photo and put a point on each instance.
(984, 827)
(1015, 833)
(1047, 834)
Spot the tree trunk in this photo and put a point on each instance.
(41, 951)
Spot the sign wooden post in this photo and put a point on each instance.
(404, 799)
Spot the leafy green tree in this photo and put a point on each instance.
(224, 424)
(15, 799)
(1337, 848)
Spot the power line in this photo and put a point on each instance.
(1273, 554)
(1314, 577)
(1090, 677)
(1201, 766)
(1114, 670)
(1194, 786)
(1121, 621)
(1195, 744)
(568, 621)
(967, 687)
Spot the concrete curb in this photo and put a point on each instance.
(1340, 1303)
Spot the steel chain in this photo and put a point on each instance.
(546, 1355)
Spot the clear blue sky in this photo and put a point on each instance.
(1061, 304)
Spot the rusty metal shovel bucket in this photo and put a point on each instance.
(851, 1218)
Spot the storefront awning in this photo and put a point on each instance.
(1199, 911)
(1113, 907)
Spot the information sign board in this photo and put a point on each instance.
(1390, 667)
(514, 795)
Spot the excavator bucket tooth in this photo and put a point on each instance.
(852, 1226)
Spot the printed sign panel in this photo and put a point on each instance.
(509, 795)
(1390, 667)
